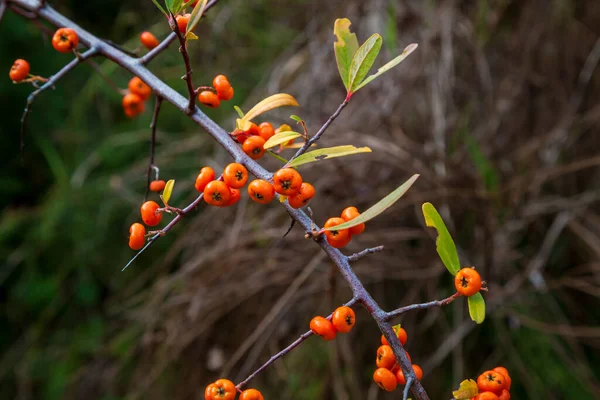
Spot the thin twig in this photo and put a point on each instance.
(421, 306)
(409, 382)
(365, 252)
(188, 69)
(105, 78)
(153, 125)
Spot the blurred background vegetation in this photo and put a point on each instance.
(498, 110)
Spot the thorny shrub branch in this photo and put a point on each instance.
(153, 125)
(137, 68)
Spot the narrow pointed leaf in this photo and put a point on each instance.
(280, 138)
(166, 195)
(239, 111)
(169, 5)
(445, 245)
(176, 6)
(271, 102)
(476, 307)
(409, 49)
(345, 47)
(157, 4)
(327, 153)
(296, 118)
(195, 17)
(363, 61)
(467, 390)
(378, 208)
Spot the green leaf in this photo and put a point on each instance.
(239, 111)
(345, 48)
(296, 118)
(166, 195)
(378, 208)
(277, 156)
(195, 17)
(476, 307)
(169, 5)
(467, 390)
(176, 6)
(279, 138)
(363, 61)
(445, 245)
(326, 153)
(409, 49)
(271, 102)
(157, 4)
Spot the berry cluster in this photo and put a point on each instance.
(494, 385)
(341, 238)
(133, 102)
(388, 374)
(342, 320)
(222, 192)
(254, 138)
(224, 389)
(220, 90)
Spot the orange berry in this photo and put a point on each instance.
(385, 357)
(235, 175)
(505, 395)
(323, 327)
(208, 392)
(148, 40)
(507, 378)
(400, 334)
(254, 130)
(251, 394)
(343, 319)
(253, 147)
(486, 396)
(19, 70)
(209, 99)
(339, 243)
(137, 233)
(337, 237)
(182, 21)
(149, 214)
(266, 130)
(224, 389)
(385, 379)
(287, 181)
(226, 94)
(157, 186)
(236, 195)
(261, 191)
(137, 86)
(223, 87)
(491, 381)
(350, 213)
(65, 40)
(400, 375)
(206, 175)
(305, 193)
(133, 104)
(467, 281)
(217, 193)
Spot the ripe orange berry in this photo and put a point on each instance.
(486, 396)
(148, 40)
(287, 181)
(236, 195)
(350, 213)
(182, 21)
(224, 389)
(400, 334)
(235, 175)
(65, 40)
(305, 193)
(223, 87)
(251, 394)
(323, 327)
(385, 357)
(209, 99)
(133, 104)
(149, 214)
(505, 395)
(19, 70)
(266, 130)
(207, 174)
(336, 238)
(491, 381)
(137, 86)
(217, 193)
(467, 281)
(400, 375)
(261, 191)
(343, 319)
(385, 379)
(137, 233)
(157, 186)
(253, 146)
(208, 392)
(507, 378)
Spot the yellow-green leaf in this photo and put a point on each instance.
(326, 153)
(191, 36)
(444, 243)
(239, 111)
(467, 390)
(279, 138)
(409, 49)
(476, 307)
(166, 195)
(363, 61)
(195, 17)
(271, 102)
(378, 208)
(345, 48)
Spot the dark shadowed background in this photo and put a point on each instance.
(498, 110)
